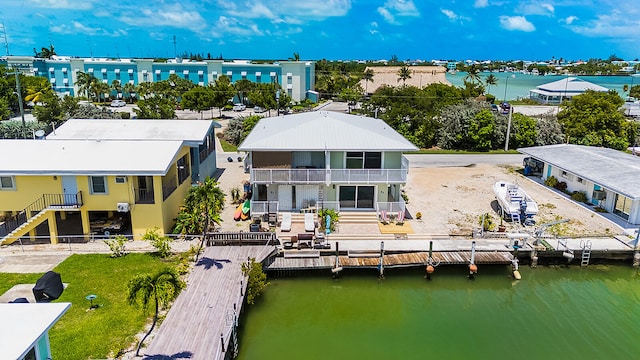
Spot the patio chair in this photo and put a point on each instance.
(286, 222)
(309, 222)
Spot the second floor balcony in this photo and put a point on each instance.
(329, 176)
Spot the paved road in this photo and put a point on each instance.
(442, 160)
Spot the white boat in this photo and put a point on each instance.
(514, 203)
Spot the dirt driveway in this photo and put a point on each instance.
(452, 199)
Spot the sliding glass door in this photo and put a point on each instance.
(357, 197)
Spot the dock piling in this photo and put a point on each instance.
(381, 266)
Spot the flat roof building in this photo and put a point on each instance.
(608, 177)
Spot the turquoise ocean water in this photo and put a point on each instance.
(518, 85)
(552, 313)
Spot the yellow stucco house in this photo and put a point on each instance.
(102, 177)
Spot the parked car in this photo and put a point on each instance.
(118, 103)
(506, 107)
(239, 107)
(259, 109)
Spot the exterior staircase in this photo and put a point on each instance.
(24, 229)
(21, 223)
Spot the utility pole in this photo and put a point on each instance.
(175, 51)
(506, 141)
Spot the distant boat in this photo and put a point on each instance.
(514, 203)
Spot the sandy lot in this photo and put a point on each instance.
(452, 199)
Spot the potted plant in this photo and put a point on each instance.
(419, 215)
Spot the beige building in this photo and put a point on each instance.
(421, 76)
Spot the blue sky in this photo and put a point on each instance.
(331, 29)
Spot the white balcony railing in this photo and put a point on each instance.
(328, 176)
(288, 176)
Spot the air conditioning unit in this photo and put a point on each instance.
(121, 179)
(598, 195)
(123, 207)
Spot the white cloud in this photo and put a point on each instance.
(61, 4)
(227, 25)
(77, 27)
(170, 15)
(481, 3)
(516, 23)
(536, 7)
(569, 19)
(287, 11)
(394, 9)
(453, 16)
(617, 24)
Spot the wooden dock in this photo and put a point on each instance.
(204, 311)
(305, 262)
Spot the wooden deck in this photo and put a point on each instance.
(390, 260)
(205, 309)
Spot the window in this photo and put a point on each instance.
(183, 169)
(580, 180)
(564, 174)
(367, 160)
(7, 183)
(98, 184)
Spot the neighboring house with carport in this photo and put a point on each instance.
(102, 177)
(557, 91)
(325, 160)
(609, 178)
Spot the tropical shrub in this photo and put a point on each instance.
(161, 243)
(116, 245)
(257, 280)
(333, 219)
(551, 181)
(488, 224)
(579, 196)
(562, 186)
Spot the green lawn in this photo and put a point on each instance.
(82, 334)
(7, 281)
(227, 146)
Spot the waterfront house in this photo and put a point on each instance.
(325, 159)
(609, 178)
(555, 92)
(24, 334)
(131, 178)
(295, 77)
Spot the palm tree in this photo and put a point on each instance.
(128, 89)
(472, 75)
(101, 89)
(159, 288)
(403, 74)
(491, 80)
(85, 82)
(367, 76)
(207, 201)
(296, 57)
(115, 86)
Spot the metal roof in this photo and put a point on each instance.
(24, 324)
(192, 132)
(87, 157)
(612, 169)
(570, 85)
(324, 130)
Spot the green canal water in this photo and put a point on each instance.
(552, 313)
